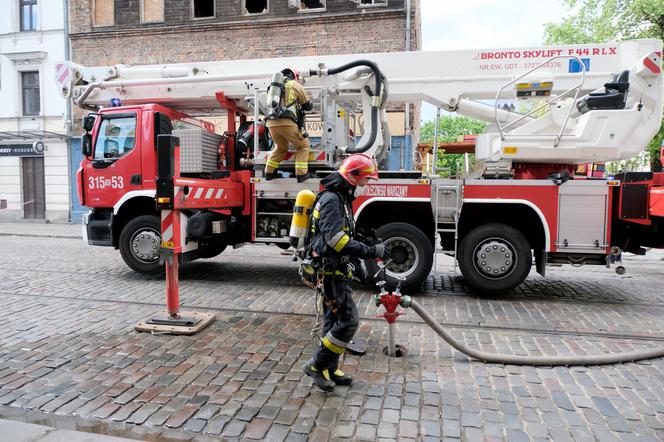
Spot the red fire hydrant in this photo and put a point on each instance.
(391, 301)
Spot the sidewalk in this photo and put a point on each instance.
(73, 231)
(21, 432)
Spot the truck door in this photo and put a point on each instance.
(115, 166)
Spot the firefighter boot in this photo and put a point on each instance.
(303, 178)
(340, 378)
(271, 175)
(321, 377)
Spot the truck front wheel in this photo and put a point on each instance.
(494, 258)
(140, 244)
(412, 256)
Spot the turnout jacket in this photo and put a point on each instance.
(333, 226)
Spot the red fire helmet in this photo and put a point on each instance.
(288, 72)
(357, 166)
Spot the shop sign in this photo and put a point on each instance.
(35, 149)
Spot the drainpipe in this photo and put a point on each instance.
(68, 116)
(68, 121)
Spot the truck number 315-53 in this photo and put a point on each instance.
(114, 182)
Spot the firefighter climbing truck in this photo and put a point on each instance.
(523, 205)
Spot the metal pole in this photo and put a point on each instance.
(256, 125)
(407, 131)
(435, 142)
(391, 346)
(172, 284)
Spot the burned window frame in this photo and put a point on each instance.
(207, 17)
(373, 4)
(247, 13)
(306, 10)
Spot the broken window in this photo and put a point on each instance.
(255, 6)
(311, 4)
(203, 8)
(103, 12)
(152, 11)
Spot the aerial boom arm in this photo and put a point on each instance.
(462, 81)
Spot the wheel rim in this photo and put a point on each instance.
(145, 244)
(405, 257)
(495, 258)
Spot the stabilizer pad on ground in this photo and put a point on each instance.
(189, 323)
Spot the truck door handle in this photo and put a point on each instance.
(135, 180)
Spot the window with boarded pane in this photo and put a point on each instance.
(29, 15)
(30, 90)
(152, 11)
(103, 12)
(203, 8)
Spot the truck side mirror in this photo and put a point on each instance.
(88, 122)
(86, 144)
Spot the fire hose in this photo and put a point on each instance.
(393, 300)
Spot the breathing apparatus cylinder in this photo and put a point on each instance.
(274, 92)
(304, 203)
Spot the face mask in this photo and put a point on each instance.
(358, 191)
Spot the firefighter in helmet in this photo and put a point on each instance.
(332, 241)
(288, 128)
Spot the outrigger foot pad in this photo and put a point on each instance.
(187, 323)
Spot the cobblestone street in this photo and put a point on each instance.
(69, 355)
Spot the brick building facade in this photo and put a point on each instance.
(106, 32)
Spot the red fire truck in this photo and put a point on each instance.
(593, 103)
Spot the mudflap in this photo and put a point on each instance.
(540, 261)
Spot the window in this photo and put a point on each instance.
(308, 5)
(28, 15)
(103, 12)
(30, 91)
(373, 2)
(152, 11)
(255, 6)
(203, 8)
(116, 137)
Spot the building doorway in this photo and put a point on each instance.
(34, 190)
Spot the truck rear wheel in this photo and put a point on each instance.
(494, 258)
(412, 256)
(140, 244)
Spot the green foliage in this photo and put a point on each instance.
(449, 129)
(597, 21)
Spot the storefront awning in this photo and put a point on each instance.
(31, 135)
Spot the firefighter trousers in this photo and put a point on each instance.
(341, 322)
(285, 133)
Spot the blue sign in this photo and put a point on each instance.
(575, 66)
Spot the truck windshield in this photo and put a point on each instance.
(116, 137)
